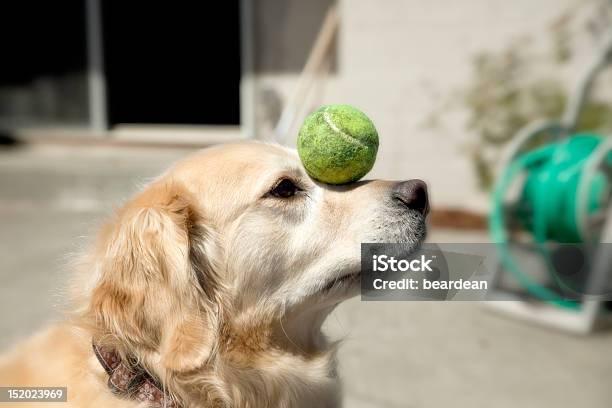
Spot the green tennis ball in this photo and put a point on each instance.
(337, 144)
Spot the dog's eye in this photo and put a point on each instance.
(284, 189)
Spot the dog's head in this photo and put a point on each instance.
(234, 237)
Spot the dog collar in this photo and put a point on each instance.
(131, 380)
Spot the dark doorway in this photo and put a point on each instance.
(43, 74)
(172, 62)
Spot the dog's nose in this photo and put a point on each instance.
(413, 194)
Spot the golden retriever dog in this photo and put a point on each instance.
(210, 287)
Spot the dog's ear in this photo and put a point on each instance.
(158, 289)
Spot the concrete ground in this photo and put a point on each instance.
(395, 354)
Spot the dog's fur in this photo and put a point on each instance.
(218, 287)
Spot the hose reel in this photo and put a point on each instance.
(565, 192)
(561, 182)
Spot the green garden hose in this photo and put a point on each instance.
(547, 206)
